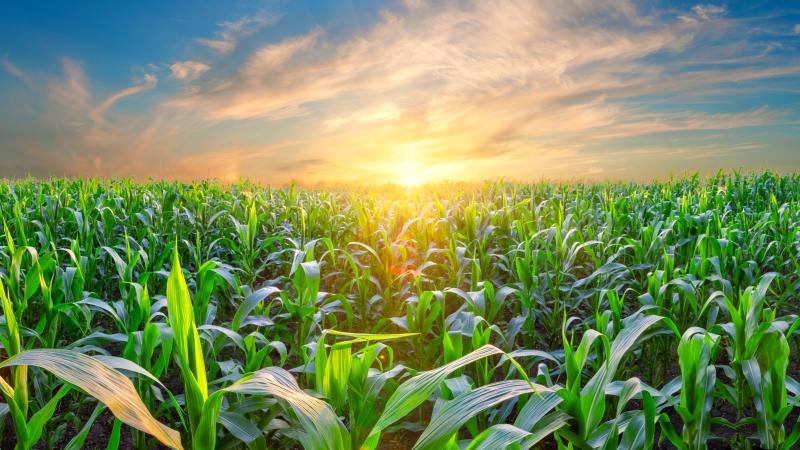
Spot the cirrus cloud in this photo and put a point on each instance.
(454, 89)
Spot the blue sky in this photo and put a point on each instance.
(406, 91)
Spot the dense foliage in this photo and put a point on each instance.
(486, 316)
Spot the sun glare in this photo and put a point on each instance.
(410, 175)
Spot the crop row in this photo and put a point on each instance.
(454, 316)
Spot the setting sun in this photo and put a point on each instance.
(409, 176)
(334, 91)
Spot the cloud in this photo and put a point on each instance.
(188, 70)
(232, 32)
(486, 83)
(222, 46)
(486, 49)
(704, 13)
(148, 82)
(796, 29)
(458, 90)
(15, 71)
(75, 134)
(272, 57)
(69, 97)
(708, 11)
(377, 113)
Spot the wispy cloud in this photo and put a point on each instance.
(231, 32)
(487, 51)
(76, 134)
(148, 82)
(490, 80)
(188, 70)
(13, 70)
(378, 113)
(459, 90)
(705, 13)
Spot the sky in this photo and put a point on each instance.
(398, 91)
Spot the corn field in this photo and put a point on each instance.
(452, 316)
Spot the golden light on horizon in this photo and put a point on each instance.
(419, 92)
(410, 173)
(410, 176)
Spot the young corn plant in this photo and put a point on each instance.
(766, 374)
(302, 307)
(696, 353)
(321, 428)
(423, 312)
(98, 378)
(187, 348)
(444, 424)
(586, 404)
(750, 323)
(349, 382)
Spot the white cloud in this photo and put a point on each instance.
(488, 81)
(704, 13)
(708, 11)
(188, 70)
(796, 29)
(223, 45)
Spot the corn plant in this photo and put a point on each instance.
(97, 378)
(597, 292)
(696, 352)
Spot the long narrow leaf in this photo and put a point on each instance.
(102, 382)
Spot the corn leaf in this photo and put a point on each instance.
(102, 382)
(448, 418)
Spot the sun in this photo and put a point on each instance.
(410, 174)
(411, 180)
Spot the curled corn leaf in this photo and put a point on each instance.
(99, 380)
(320, 428)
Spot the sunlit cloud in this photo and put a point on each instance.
(704, 13)
(188, 70)
(148, 82)
(231, 32)
(378, 113)
(76, 134)
(457, 90)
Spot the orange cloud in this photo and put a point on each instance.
(431, 90)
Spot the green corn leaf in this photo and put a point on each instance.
(448, 418)
(186, 341)
(115, 437)
(319, 428)
(370, 336)
(239, 426)
(593, 394)
(536, 408)
(101, 382)
(38, 421)
(249, 303)
(417, 389)
(497, 437)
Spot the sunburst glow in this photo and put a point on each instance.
(323, 91)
